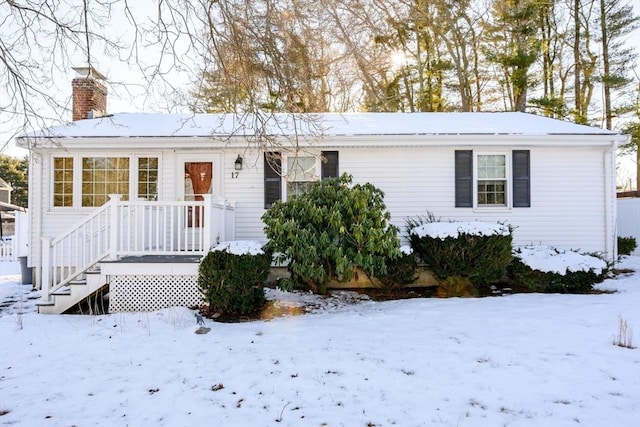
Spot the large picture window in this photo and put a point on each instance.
(102, 176)
(88, 181)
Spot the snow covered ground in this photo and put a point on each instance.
(517, 360)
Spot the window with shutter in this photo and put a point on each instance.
(464, 178)
(492, 180)
(329, 164)
(272, 178)
(486, 179)
(521, 179)
(301, 174)
(293, 175)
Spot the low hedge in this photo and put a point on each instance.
(587, 270)
(480, 252)
(232, 283)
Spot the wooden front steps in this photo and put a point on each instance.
(76, 292)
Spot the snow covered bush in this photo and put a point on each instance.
(478, 251)
(546, 269)
(626, 245)
(332, 231)
(231, 277)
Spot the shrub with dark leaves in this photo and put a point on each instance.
(330, 232)
(232, 284)
(478, 251)
(577, 277)
(402, 271)
(626, 245)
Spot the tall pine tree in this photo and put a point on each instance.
(514, 45)
(617, 21)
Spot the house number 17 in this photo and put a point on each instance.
(234, 175)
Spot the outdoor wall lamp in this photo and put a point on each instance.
(238, 163)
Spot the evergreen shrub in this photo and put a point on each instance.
(331, 231)
(626, 245)
(524, 277)
(231, 283)
(402, 271)
(481, 256)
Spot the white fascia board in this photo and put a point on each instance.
(365, 141)
(133, 143)
(473, 141)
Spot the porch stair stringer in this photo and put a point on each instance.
(73, 293)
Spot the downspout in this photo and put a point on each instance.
(611, 214)
(35, 221)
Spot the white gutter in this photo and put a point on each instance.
(326, 141)
(611, 203)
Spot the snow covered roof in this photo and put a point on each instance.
(328, 124)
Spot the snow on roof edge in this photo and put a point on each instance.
(328, 124)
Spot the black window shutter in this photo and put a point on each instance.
(464, 178)
(272, 178)
(521, 179)
(329, 164)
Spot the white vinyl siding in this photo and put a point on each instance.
(568, 188)
(247, 190)
(567, 192)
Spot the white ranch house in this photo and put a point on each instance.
(132, 201)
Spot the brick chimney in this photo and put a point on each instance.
(89, 94)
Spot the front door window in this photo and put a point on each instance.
(197, 182)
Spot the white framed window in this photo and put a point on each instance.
(102, 176)
(86, 181)
(301, 173)
(295, 176)
(63, 181)
(485, 180)
(491, 179)
(148, 170)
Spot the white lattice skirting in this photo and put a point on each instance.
(152, 292)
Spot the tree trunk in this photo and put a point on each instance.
(638, 168)
(605, 65)
(577, 62)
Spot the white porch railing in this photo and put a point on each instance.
(7, 250)
(135, 228)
